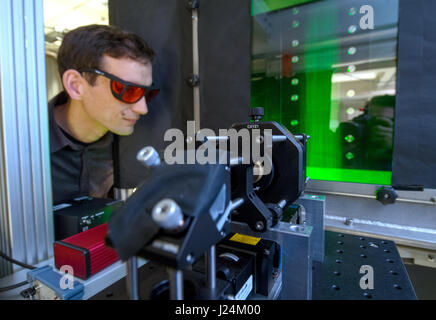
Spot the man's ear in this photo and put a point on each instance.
(73, 84)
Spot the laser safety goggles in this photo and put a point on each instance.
(124, 91)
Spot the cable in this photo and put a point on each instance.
(21, 264)
(14, 286)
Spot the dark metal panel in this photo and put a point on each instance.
(166, 25)
(225, 62)
(339, 277)
(414, 152)
(224, 49)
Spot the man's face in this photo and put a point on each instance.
(107, 111)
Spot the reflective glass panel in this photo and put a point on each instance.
(328, 69)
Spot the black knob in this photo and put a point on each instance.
(256, 114)
(386, 195)
(276, 211)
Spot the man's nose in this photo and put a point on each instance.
(140, 107)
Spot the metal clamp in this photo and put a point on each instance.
(193, 81)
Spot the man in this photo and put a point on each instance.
(369, 137)
(107, 78)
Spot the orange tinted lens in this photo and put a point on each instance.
(133, 94)
(117, 87)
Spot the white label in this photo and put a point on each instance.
(245, 290)
(61, 206)
(166, 246)
(82, 198)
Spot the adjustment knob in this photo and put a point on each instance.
(148, 156)
(256, 114)
(386, 195)
(167, 214)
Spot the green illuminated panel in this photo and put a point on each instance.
(262, 6)
(315, 71)
(350, 175)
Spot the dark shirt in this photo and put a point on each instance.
(77, 168)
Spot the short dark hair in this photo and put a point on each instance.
(385, 100)
(85, 46)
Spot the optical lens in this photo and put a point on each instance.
(117, 87)
(133, 94)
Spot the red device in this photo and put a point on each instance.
(85, 252)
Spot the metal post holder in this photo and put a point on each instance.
(295, 242)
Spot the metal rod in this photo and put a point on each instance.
(234, 204)
(132, 278)
(217, 138)
(236, 161)
(334, 193)
(275, 138)
(282, 204)
(176, 284)
(210, 259)
(132, 263)
(123, 194)
(301, 137)
(196, 68)
(279, 138)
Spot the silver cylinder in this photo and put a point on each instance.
(132, 263)
(236, 161)
(210, 259)
(282, 204)
(196, 68)
(167, 214)
(217, 138)
(278, 138)
(176, 284)
(132, 278)
(123, 194)
(148, 156)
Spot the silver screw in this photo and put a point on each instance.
(348, 222)
(433, 199)
(295, 228)
(167, 214)
(259, 225)
(148, 156)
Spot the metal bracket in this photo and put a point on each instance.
(193, 81)
(314, 207)
(295, 242)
